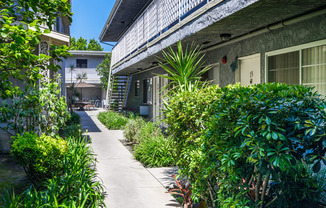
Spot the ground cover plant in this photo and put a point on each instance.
(254, 146)
(112, 120)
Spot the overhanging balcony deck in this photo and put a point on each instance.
(156, 20)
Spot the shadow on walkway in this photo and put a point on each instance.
(87, 122)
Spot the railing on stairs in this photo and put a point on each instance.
(118, 92)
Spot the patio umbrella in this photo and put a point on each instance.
(82, 85)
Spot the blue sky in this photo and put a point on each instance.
(89, 18)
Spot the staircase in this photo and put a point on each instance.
(119, 92)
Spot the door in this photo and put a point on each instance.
(250, 72)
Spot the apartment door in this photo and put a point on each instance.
(250, 72)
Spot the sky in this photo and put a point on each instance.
(89, 18)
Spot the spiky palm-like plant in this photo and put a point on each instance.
(184, 68)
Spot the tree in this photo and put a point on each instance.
(20, 33)
(103, 70)
(93, 45)
(82, 45)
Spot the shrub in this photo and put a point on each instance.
(112, 120)
(40, 156)
(132, 128)
(235, 143)
(73, 130)
(154, 150)
(76, 186)
(74, 119)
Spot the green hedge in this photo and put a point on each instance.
(112, 120)
(247, 146)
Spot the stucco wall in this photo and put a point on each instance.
(300, 33)
(296, 34)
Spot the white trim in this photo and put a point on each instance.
(250, 56)
(298, 48)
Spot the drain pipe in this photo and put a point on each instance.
(267, 29)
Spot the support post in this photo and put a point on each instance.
(108, 90)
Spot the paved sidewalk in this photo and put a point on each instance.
(128, 184)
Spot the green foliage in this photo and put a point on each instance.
(154, 150)
(81, 44)
(245, 139)
(93, 45)
(74, 119)
(39, 109)
(103, 70)
(40, 156)
(18, 61)
(183, 67)
(112, 120)
(72, 127)
(132, 128)
(76, 186)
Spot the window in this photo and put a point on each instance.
(147, 91)
(81, 63)
(137, 87)
(303, 65)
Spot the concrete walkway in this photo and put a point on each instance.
(127, 183)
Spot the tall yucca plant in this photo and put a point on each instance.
(184, 68)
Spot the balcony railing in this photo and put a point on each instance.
(91, 75)
(158, 17)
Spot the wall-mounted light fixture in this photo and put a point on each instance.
(225, 36)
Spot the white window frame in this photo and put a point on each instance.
(289, 50)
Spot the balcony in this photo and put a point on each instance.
(156, 20)
(91, 74)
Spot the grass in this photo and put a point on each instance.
(112, 120)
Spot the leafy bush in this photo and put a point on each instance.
(112, 120)
(154, 150)
(40, 156)
(74, 119)
(39, 109)
(247, 146)
(73, 130)
(132, 128)
(76, 186)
